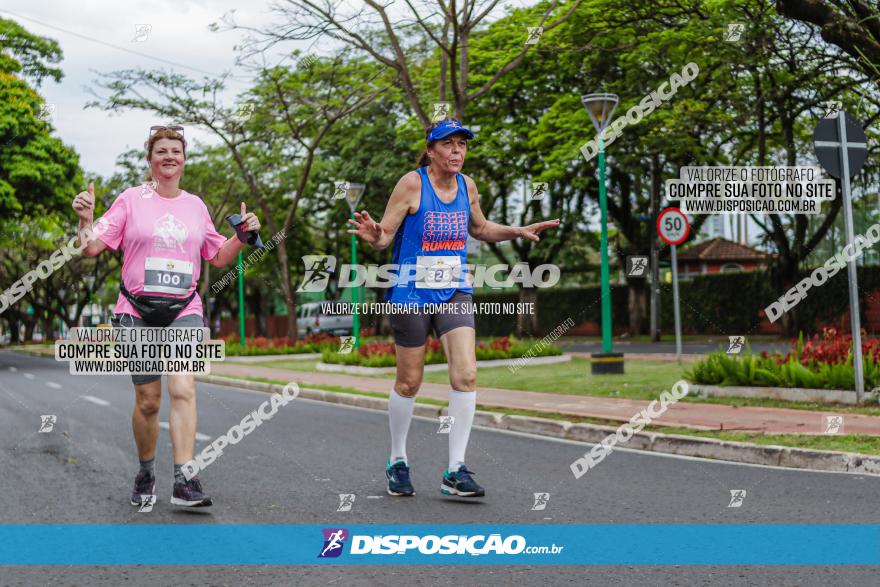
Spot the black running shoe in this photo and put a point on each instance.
(189, 494)
(144, 484)
(398, 479)
(461, 483)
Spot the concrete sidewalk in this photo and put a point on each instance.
(685, 414)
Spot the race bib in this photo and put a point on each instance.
(171, 276)
(438, 272)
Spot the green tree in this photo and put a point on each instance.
(272, 134)
(38, 173)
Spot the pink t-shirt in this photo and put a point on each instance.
(163, 242)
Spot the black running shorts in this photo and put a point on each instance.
(412, 329)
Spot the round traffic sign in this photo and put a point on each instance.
(826, 138)
(672, 226)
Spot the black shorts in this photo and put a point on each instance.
(412, 329)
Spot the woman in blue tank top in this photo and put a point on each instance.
(428, 218)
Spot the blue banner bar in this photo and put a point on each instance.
(284, 544)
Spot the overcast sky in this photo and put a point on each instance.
(178, 33)
(98, 35)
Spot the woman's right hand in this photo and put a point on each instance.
(84, 204)
(365, 227)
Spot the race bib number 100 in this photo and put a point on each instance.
(171, 276)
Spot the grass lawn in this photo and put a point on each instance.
(307, 365)
(642, 380)
(847, 443)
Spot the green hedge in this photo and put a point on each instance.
(710, 304)
(555, 306)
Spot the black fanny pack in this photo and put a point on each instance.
(155, 310)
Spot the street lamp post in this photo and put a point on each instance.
(353, 194)
(601, 107)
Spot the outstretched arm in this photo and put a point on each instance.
(380, 235)
(492, 232)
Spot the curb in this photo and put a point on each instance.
(795, 394)
(436, 367)
(737, 452)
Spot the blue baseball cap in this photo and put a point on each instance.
(446, 128)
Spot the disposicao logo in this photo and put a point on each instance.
(334, 541)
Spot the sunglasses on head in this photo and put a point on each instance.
(176, 128)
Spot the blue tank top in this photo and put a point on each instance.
(435, 237)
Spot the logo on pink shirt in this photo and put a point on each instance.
(169, 233)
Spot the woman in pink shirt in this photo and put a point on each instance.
(164, 233)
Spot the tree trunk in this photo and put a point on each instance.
(289, 292)
(14, 334)
(785, 279)
(527, 324)
(259, 312)
(637, 302)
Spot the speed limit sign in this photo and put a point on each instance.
(672, 226)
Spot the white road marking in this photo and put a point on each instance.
(13, 369)
(29, 376)
(375, 496)
(199, 435)
(566, 441)
(53, 385)
(96, 400)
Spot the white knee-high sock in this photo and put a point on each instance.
(400, 411)
(462, 405)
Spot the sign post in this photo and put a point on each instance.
(673, 229)
(241, 329)
(841, 148)
(353, 194)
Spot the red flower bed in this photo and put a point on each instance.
(318, 338)
(833, 348)
(499, 344)
(377, 347)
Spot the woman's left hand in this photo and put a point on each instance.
(248, 220)
(532, 231)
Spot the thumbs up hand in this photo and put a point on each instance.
(249, 221)
(84, 203)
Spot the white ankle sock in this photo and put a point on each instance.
(462, 405)
(400, 411)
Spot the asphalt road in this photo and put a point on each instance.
(292, 468)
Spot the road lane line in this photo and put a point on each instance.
(29, 376)
(199, 435)
(53, 385)
(552, 439)
(96, 400)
